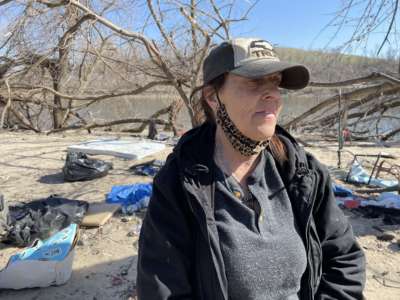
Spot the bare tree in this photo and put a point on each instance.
(62, 57)
(366, 18)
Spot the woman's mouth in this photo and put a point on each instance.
(266, 114)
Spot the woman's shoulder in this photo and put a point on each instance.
(169, 172)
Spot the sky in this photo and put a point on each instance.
(293, 23)
(285, 23)
(297, 24)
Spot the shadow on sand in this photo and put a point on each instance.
(56, 178)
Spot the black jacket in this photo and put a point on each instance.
(179, 251)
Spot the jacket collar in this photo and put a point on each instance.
(195, 152)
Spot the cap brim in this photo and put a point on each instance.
(294, 77)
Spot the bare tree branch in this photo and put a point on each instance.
(167, 39)
(372, 77)
(107, 124)
(109, 95)
(4, 2)
(390, 26)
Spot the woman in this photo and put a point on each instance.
(240, 211)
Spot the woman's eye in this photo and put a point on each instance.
(256, 84)
(277, 82)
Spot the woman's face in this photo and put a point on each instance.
(253, 104)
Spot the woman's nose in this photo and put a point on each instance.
(272, 94)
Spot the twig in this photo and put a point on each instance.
(390, 26)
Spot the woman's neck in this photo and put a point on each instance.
(232, 161)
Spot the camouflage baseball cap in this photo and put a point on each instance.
(252, 58)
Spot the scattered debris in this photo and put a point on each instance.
(358, 174)
(42, 218)
(99, 213)
(128, 149)
(46, 263)
(150, 168)
(132, 197)
(386, 237)
(387, 200)
(79, 167)
(341, 191)
(131, 234)
(137, 228)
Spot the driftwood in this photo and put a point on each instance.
(370, 99)
(356, 94)
(88, 127)
(378, 190)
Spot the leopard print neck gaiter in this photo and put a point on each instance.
(238, 140)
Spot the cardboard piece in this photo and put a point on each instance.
(129, 148)
(99, 213)
(46, 263)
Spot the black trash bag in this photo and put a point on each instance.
(79, 167)
(4, 219)
(42, 218)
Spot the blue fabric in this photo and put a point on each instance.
(341, 191)
(359, 175)
(147, 170)
(136, 195)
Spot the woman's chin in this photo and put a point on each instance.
(265, 132)
(262, 134)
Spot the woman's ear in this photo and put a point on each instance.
(210, 96)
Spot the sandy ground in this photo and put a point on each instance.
(105, 260)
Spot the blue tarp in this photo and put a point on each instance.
(132, 197)
(341, 191)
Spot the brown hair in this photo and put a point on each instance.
(206, 114)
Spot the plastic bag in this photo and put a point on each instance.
(79, 167)
(148, 169)
(132, 197)
(42, 218)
